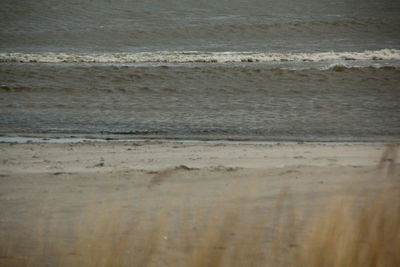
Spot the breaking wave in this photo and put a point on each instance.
(195, 56)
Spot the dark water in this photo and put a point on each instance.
(200, 25)
(252, 70)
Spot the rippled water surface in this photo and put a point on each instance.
(206, 25)
(251, 70)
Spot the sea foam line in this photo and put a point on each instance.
(194, 56)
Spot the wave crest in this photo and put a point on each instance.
(194, 56)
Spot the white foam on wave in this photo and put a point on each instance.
(194, 56)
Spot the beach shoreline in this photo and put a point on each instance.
(33, 154)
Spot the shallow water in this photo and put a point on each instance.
(253, 70)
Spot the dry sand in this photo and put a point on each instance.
(52, 189)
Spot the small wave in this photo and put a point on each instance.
(338, 68)
(6, 88)
(342, 68)
(137, 132)
(304, 26)
(194, 56)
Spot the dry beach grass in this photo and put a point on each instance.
(356, 226)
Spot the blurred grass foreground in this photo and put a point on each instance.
(358, 229)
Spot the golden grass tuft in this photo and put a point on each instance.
(353, 235)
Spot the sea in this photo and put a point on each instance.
(240, 70)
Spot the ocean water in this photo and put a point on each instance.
(207, 70)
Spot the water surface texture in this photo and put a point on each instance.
(241, 70)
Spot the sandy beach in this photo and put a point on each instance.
(53, 190)
(199, 133)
